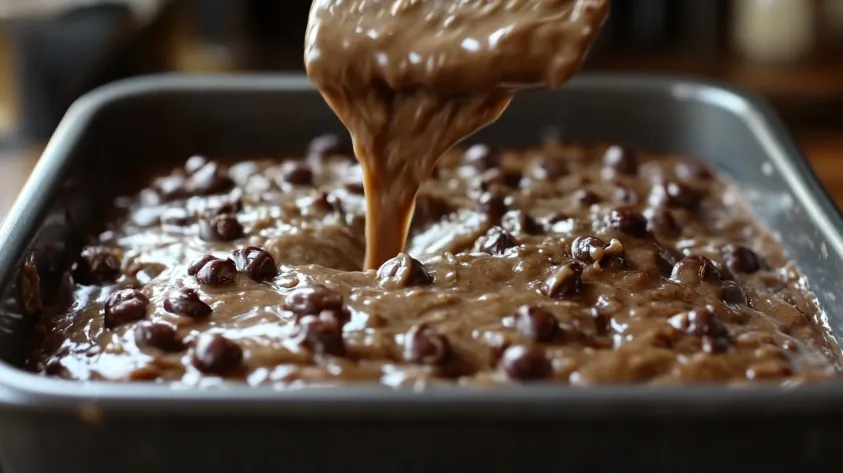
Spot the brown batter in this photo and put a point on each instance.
(578, 265)
(410, 78)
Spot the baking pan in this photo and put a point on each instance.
(114, 136)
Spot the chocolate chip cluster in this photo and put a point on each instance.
(570, 264)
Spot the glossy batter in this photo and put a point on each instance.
(575, 265)
(410, 78)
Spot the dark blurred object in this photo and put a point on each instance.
(61, 55)
(262, 34)
(703, 25)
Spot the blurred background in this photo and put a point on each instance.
(52, 51)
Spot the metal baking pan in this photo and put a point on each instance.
(120, 133)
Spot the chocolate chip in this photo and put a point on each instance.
(680, 195)
(662, 223)
(430, 209)
(496, 241)
(220, 272)
(551, 168)
(741, 259)
(621, 160)
(220, 228)
(194, 163)
(526, 363)
(323, 335)
(171, 187)
(312, 300)
(518, 221)
(403, 271)
(160, 336)
(216, 354)
(629, 222)
(96, 265)
(125, 306)
(536, 323)
(690, 169)
(624, 195)
(199, 263)
(212, 178)
(231, 204)
(186, 302)
(563, 282)
(176, 216)
(585, 197)
(355, 186)
(587, 249)
(297, 173)
(257, 263)
(732, 293)
(703, 323)
(693, 270)
(424, 345)
(492, 204)
(327, 145)
(482, 157)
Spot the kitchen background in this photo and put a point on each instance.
(52, 51)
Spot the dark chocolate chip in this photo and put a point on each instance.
(563, 282)
(199, 263)
(220, 272)
(297, 173)
(312, 300)
(125, 306)
(403, 271)
(492, 204)
(482, 157)
(176, 216)
(536, 323)
(583, 248)
(629, 221)
(355, 186)
(424, 345)
(194, 163)
(212, 178)
(171, 187)
(693, 270)
(518, 221)
(680, 195)
(551, 168)
(662, 223)
(229, 205)
(585, 197)
(159, 336)
(430, 209)
(257, 263)
(741, 259)
(703, 323)
(624, 195)
(322, 335)
(96, 265)
(216, 354)
(690, 169)
(220, 228)
(621, 159)
(732, 293)
(497, 241)
(328, 145)
(524, 363)
(186, 302)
